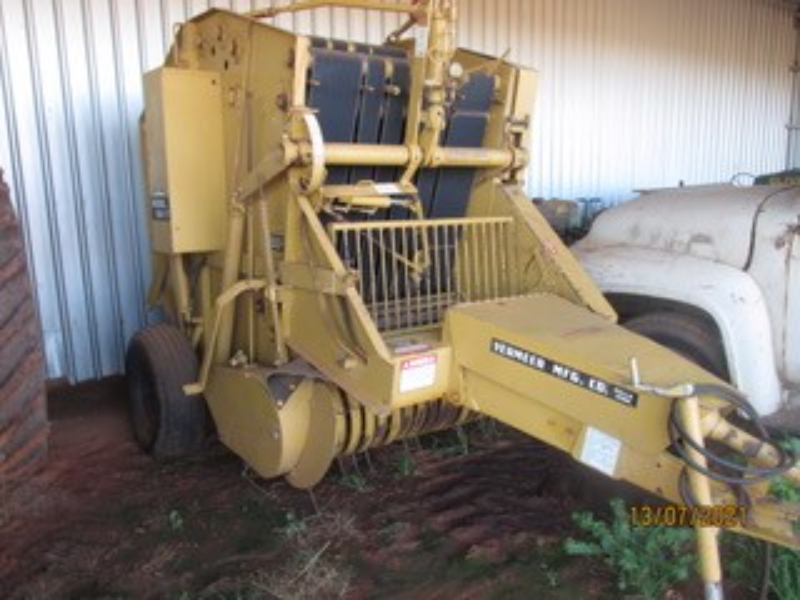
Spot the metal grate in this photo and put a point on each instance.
(411, 272)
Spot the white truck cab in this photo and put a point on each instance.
(714, 273)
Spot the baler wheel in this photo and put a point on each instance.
(166, 422)
(23, 406)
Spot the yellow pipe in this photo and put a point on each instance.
(707, 537)
(759, 452)
(350, 155)
(230, 275)
(473, 157)
(268, 13)
(180, 288)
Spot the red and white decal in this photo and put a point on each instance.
(418, 373)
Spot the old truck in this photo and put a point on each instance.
(714, 273)
(341, 238)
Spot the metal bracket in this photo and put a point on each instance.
(221, 303)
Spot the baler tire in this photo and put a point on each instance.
(691, 337)
(166, 422)
(24, 428)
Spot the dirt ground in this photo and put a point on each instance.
(436, 518)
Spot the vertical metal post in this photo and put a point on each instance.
(270, 276)
(180, 289)
(230, 275)
(707, 537)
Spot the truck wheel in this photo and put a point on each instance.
(23, 406)
(166, 422)
(689, 336)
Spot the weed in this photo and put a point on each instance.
(645, 560)
(294, 525)
(355, 482)
(784, 577)
(451, 443)
(784, 489)
(312, 567)
(744, 563)
(306, 576)
(175, 521)
(406, 465)
(488, 430)
(781, 487)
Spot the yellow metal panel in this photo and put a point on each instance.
(186, 158)
(269, 433)
(551, 354)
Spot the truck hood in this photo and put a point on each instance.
(710, 222)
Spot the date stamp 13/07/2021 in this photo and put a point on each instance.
(673, 515)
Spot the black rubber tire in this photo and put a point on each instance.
(166, 422)
(689, 336)
(24, 428)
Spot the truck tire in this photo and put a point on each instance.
(166, 422)
(691, 337)
(24, 428)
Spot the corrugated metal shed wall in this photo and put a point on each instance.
(635, 93)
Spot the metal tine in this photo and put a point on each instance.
(449, 276)
(359, 264)
(470, 264)
(387, 294)
(406, 278)
(346, 248)
(420, 283)
(474, 261)
(372, 272)
(502, 287)
(486, 252)
(448, 255)
(497, 252)
(395, 265)
(515, 277)
(493, 256)
(437, 273)
(498, 237)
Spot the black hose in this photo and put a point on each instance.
(718, 468)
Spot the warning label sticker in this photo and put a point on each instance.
(161, 209)
(601, 451)
(418, 373)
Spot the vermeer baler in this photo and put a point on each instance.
(345, 251)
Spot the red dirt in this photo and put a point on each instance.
(104, 520)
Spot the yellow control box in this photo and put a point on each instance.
(184, 134)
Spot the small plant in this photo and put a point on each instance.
(406, 465)
(645, 560)
(175, 521)
(294, 525)
(784, 577)
(445, 446)
(784, 489)
(744, 564)
(355, 481)
(781, 487)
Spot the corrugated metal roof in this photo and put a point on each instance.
(635, 93)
